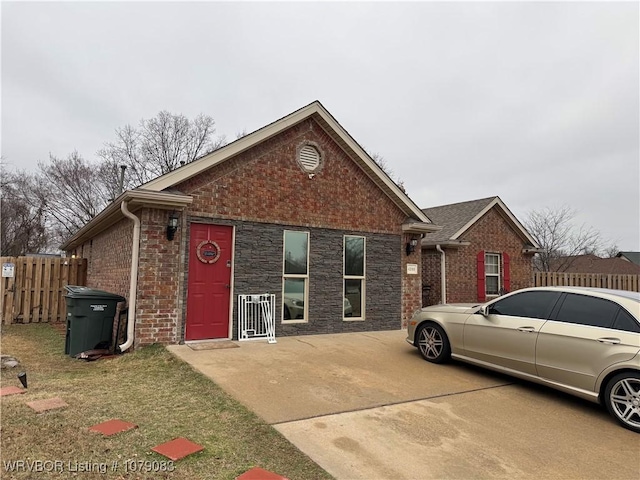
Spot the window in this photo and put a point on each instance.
(584, 310)
(354, 277)
(526, 304)
(492, 273)
(624, 321)
(295, 279)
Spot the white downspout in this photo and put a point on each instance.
(443, 275)
(133, 284)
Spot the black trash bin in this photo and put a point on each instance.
(90, 316)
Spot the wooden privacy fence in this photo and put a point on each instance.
(599, 280)
(35, 292)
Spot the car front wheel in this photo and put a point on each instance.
(433, 343)
(622, 398)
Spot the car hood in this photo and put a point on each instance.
(453, 308)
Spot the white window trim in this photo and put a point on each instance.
(363, 278)
(304, 276)
(498, 275)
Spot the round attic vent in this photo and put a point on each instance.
(309, 158)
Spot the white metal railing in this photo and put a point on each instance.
(256, 317)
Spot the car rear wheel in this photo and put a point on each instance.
(433, 343)
(622, 398)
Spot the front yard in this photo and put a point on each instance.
(150, 388)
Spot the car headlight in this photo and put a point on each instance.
(298, 303)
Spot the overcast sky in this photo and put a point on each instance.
(535, 102)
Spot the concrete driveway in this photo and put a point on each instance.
(365, 405)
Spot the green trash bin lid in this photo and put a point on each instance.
(76, 291)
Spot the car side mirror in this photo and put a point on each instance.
(484, 311)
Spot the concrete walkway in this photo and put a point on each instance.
(365, 405)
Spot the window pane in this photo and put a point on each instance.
(526, 304)
(491, 264)
(295, 253)
(492, 285)
(491, 258)
(354, 256)
(491, 269)
(353, 293)
(624, 321)
(294, 289)
(585, 310)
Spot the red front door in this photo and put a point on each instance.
(208, 289)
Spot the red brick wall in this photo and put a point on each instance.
(158, 310)
(490, 234)
(108, 257)
(411, 284)
(431, 283)
(265, 184)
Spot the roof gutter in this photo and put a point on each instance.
(134, 199)
(133, 283)
(412, 226)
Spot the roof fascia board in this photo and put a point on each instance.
(507, 212)
(444, 244)
(364, 156)
(420, 227)
(191, 169)
(112, 213)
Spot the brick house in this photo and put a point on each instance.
(590, 263)
(296, 209)
(481, 252)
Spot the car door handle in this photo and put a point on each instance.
(609, 340)
(526, 329)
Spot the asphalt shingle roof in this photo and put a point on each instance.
(594, 264)
(453, 217)
(631, 256)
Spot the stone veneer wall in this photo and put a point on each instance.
(258, 269)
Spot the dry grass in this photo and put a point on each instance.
(151, 388)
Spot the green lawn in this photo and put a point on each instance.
(165, 397)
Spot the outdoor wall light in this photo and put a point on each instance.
(411, 246)
(172, 226)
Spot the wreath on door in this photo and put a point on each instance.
(208, 251)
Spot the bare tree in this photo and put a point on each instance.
(384, 165)
(559, 238)
(611, 252)
(72, 192)
(22, 221)
(160, 145)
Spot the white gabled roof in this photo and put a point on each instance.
(331, 127)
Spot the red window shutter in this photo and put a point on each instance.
(506, 272)
(482, 295)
